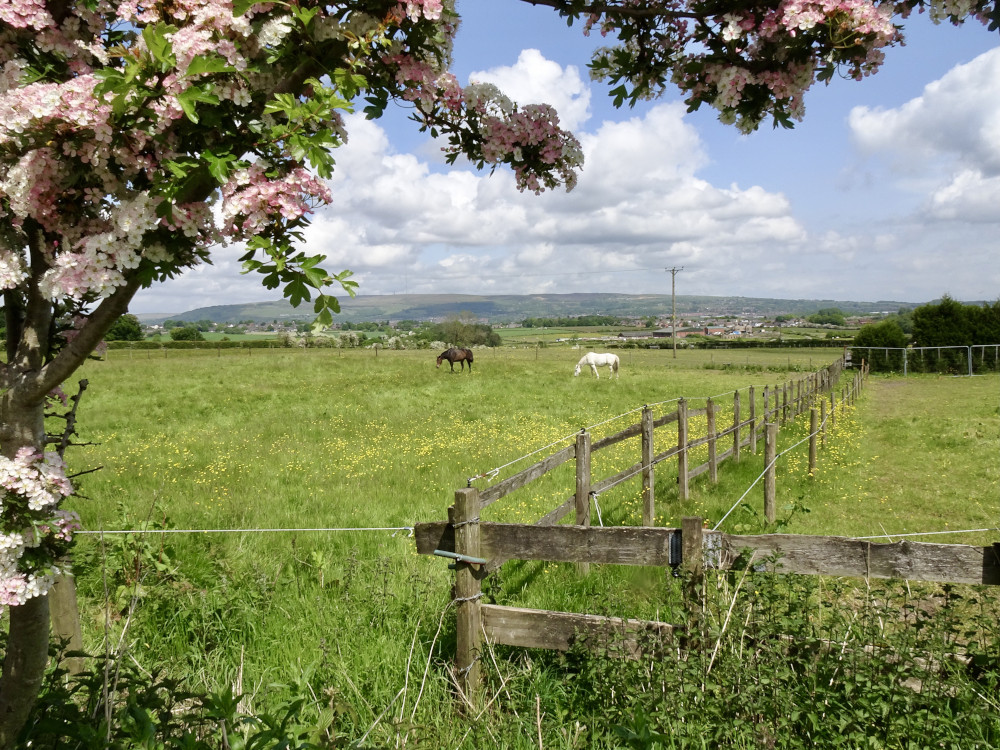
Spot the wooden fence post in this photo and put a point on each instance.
(784, 403)
(753, 419)
(767, 402)
(65, 619)
(583, 488)
(813, 429)
(692, 535)
(464, 516)
(713, 463)
(648, 500)
(682, 455)
(736, 427)
(692, 563)
(770, 452)
(822, 423)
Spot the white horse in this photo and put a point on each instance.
(598, 360)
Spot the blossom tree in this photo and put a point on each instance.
(136, 135)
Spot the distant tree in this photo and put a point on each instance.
(944, 324)
(126, 328)
(886, 333)
(831, 316)
(985, 323)
(904, 318)
(186, 333)
(880, 345)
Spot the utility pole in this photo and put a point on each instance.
(673, 304)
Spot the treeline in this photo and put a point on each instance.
(582, 320)
(460, 333)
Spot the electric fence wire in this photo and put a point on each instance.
(924, 533)
(767, 469)
(105, 532)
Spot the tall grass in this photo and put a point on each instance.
(360, 445)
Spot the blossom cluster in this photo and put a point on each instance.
(38, 478)
(251, 200)
(99, 261)
(33, 485)
(417, 9)
(754, 59)
(26, 14)
(527, 138)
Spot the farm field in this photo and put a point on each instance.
(350, 448)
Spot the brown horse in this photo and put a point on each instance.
(454, 355)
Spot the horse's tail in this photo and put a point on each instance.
(468, 354)
(614, 365)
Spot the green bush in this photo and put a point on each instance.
(881, 345)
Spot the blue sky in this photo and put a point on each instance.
(888, 190)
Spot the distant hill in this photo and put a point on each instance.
(514, 307)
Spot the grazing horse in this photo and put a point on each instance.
(598, 360)
(454, 355)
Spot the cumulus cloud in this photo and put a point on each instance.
(536, 80)
(944, 144)
(639, 202)
(957, 117)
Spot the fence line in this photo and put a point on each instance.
(479, 548)
(949, 358)
(779, 404)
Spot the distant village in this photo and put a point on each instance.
(625, 329)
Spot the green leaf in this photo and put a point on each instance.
(296, 291)
(203, 64)
(219, 166)
(159, 45)
(305, 15)
(190, 97)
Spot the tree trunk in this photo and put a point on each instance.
(23, 667)
(25, 380)
(22, 424)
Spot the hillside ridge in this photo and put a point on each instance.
(508, 308)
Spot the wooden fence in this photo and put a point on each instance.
(472, 544)
(777, 405)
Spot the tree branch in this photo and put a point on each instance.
(613, 11)
(34, 389)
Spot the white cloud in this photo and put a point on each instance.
(638, 196)
(970, 196)
(957, 117)
(535, 80)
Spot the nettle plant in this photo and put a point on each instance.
(136, 136)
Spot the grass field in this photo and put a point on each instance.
(351, 447)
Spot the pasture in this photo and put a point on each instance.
(350, 449)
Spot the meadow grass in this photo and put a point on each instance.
(333, 439)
